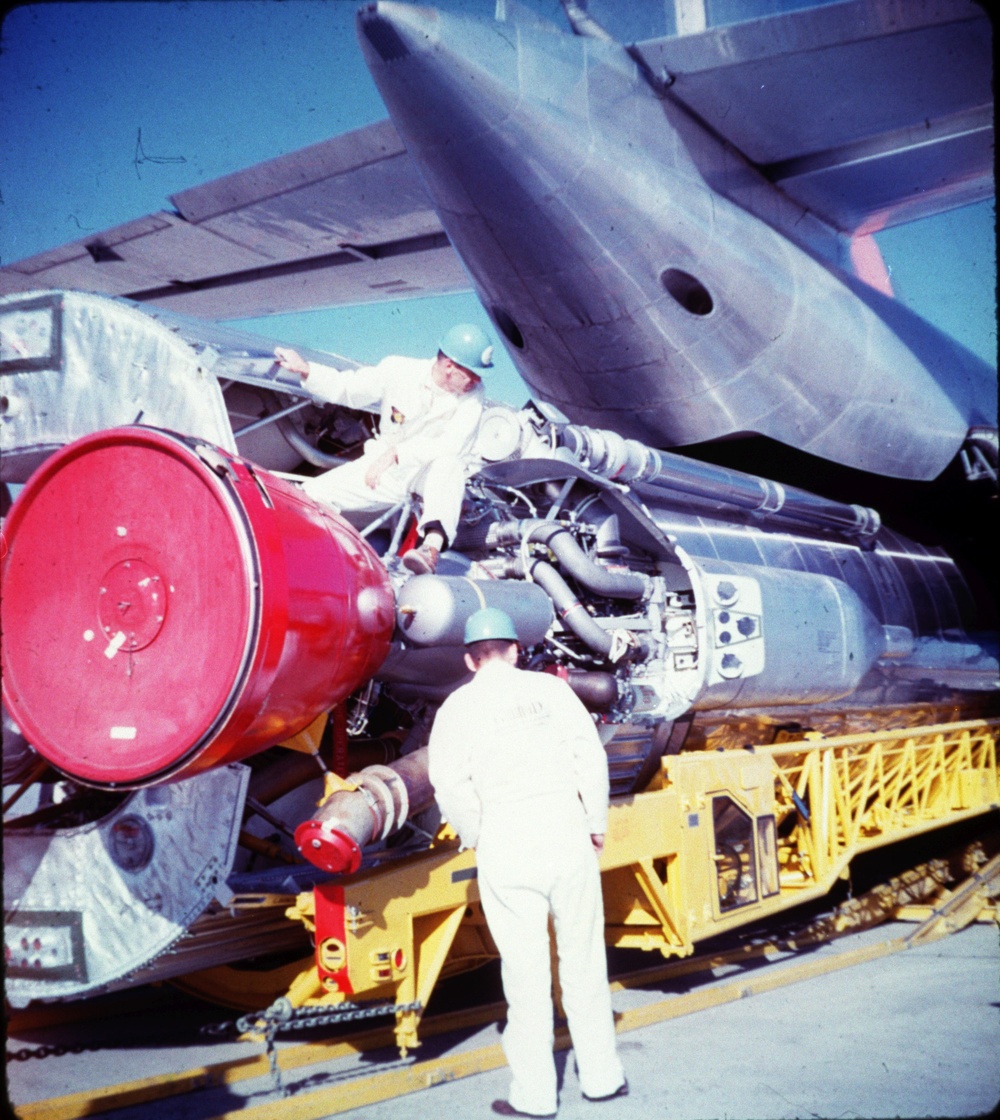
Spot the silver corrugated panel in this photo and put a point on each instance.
(221, 936)
(85, 907)
(73, 363)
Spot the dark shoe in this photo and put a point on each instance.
(505, 1108)
(421, 561)
(621, 1091)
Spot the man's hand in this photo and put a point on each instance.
(292, 360)
(386, 460)
(597, 839)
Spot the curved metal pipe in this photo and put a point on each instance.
(598, 691)
(556, 537)
(575, 615)
(298, 442)
(569, 608)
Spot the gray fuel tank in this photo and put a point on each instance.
(431, 610)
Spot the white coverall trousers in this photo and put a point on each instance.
(535, 857)
(441, 485)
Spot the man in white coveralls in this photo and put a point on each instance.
(429, 415)
(520, 773)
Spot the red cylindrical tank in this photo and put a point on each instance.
(169, 607)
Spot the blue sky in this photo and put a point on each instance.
(108, 108)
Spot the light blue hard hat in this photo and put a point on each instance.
(490, 622)
(469, 346)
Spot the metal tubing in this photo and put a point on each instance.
(270, 419)
(298, 442)
(556, 537)
(569, 608)
(598, 691)
(627, 460)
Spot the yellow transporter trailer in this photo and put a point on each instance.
(721, 839)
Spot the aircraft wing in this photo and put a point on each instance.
(868, 113)
(340, 222)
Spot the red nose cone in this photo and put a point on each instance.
(168, 608)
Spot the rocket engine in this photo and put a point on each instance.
(679, 599)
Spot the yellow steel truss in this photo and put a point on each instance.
(862, 791)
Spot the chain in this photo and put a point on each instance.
(302, 1020)
(26, 1053)
(282, 1016)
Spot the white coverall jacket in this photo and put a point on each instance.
(428, 427)
(520, 773)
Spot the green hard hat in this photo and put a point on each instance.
(490, 622)
(469, 346)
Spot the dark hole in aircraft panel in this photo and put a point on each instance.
(101, 253)
(509, 328)
(687, 290)
(385, 39)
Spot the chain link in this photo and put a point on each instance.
(302, 1018)
(282, 1016)
(26, 1053)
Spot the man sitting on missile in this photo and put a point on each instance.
(429, 411)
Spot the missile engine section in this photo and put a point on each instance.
(218, 692)
(696, 606)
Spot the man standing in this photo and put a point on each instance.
(429, 415)
(519, 771)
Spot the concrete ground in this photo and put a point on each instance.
(915, 1034)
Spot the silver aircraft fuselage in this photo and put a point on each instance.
(595, 219)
